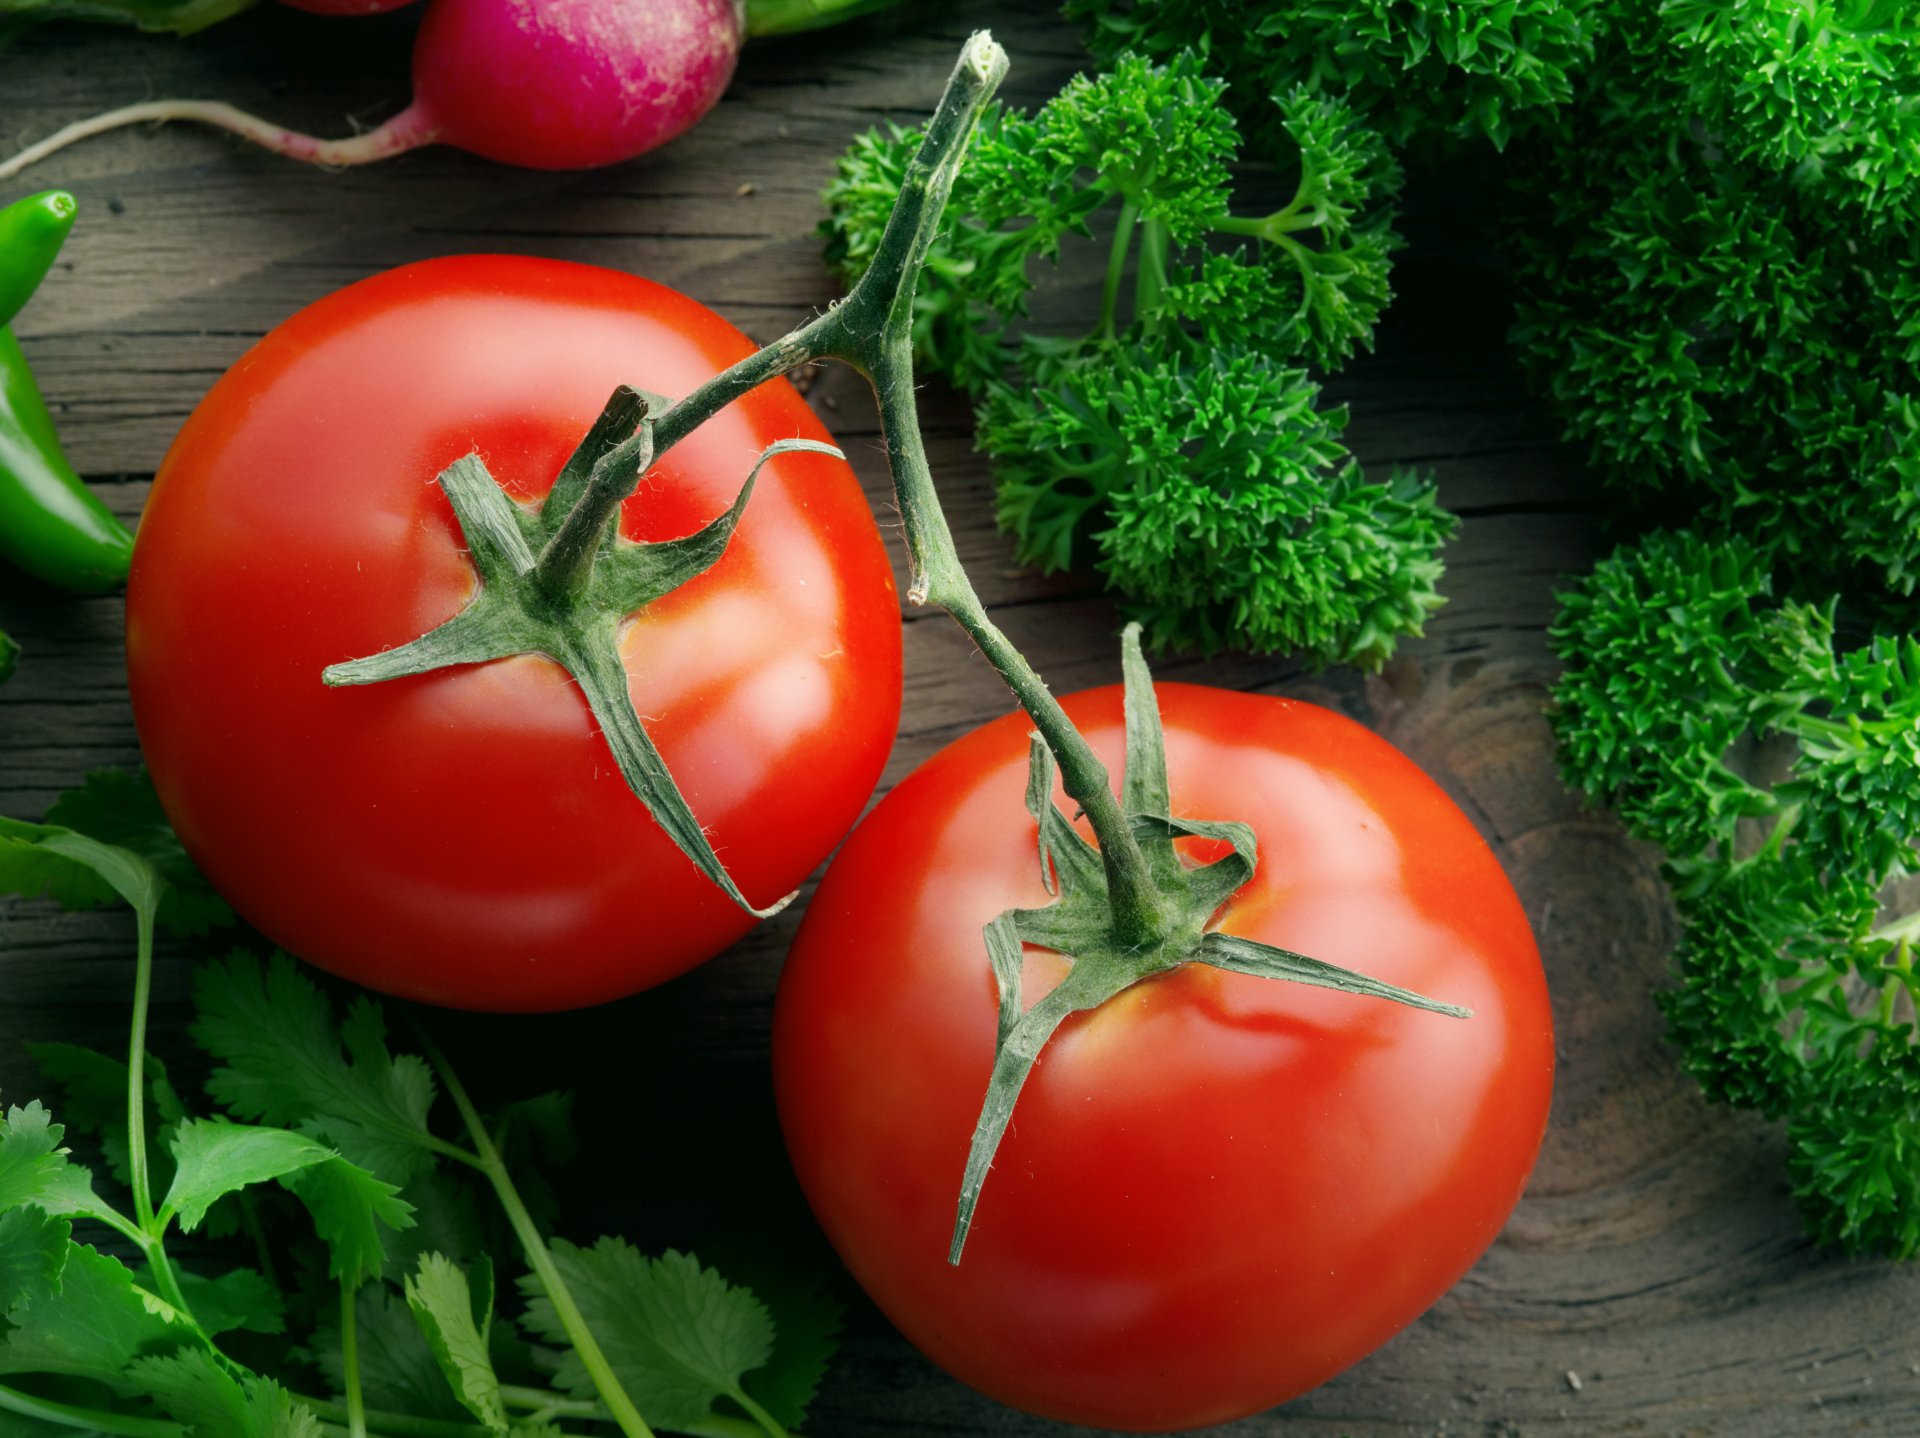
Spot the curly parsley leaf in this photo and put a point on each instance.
(1221, 502)
(678, 1336)
(1780, 771)
(1179, 446)
(285, 1061)
(1827, 94)
(1461, 67)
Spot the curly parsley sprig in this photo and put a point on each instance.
(1180, 436)
(1459, 67)
(1778, 765)
(1718, 275)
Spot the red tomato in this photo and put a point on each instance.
(463, 837)
(1217, 1191)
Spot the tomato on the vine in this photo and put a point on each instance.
(464, 837)
(1217, 1190)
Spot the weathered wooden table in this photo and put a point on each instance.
(1653, 1281)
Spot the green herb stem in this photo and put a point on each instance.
(766, 1420)
(151, 1235)
(393, 1425)
(548, 1404)
(1269, 229)
(350, 1362)
(92, 1420)
(619, 1406)
(1902, 929)
(1156, 244)
(1116, 270)
(719, 1425)
(142, 1182)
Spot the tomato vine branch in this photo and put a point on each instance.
(871, 330)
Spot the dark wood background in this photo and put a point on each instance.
(1654, 1280)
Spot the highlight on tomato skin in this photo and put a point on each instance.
(1217, 1191)
(464, 837)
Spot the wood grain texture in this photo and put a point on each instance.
(1652, 1282)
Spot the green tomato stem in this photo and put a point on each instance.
(566, 564)
(871, 329)
(619, 1406)
(91, 1420)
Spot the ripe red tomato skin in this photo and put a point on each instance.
(463, 837)
(1216, 1191)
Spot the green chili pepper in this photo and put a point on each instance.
(31, 234)
(51, 524)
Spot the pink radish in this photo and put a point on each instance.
(545, 84)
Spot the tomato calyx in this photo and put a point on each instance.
(1107, 956)
(557, 579)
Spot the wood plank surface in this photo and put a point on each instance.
(1653, 1281)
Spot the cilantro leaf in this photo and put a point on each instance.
(238, 1299)
(31, 1159)
(34, 1168)
(73, 870)
(108, 839)
(349, 1208)
(33, 1250)
(398, 1371)
(285, 1061)
(93, 1089)
(213, 1157)
(533, 1135)
(807, 1319)
(122, 809)
(677, 1335)
(194, 1388)
(456, 1317)
(93, 1325)
(178, 17)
